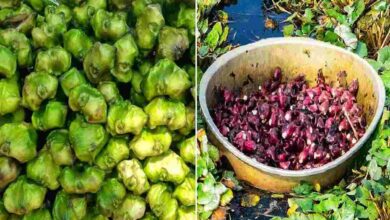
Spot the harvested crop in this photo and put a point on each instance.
(96, 110)
(291, 125)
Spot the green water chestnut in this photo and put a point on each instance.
(87, 139)
(19, 141)
(132, 175)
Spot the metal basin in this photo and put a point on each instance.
(295, 56)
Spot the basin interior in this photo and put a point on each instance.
(249, 68)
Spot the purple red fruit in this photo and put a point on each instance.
(290, 125)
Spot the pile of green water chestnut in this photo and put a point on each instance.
(97, 109)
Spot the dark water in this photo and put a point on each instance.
(247, 19)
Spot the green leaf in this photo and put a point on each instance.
(203, 50)
(373, 186)
(291, 17)
(201, 168)
(224, 35)
(374, 171)
(375, 64)
(380, 5)
(218, 28)
(227, 197)
(362, 195)
(301, 216)
(371, 211)
(306, 204)
(303, 189)
(354, 11)
(212, 38)
(205, 215)
(203, 26)
(386, 65)
(307, 29)
(347, 35)
(223, 16)
(288, 30)
(386, 80)
(326, 205)
(298, 33)
(347, 210)
(361, 49)
(330, 36)
(361, 212)
(337, 15)
(308, 15)
(384, 54)
(209, 193)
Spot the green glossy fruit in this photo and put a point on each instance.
(166, 78)
(58, 144)
(139, 6)
(59, 9)
(161, 201)
(136, 81)
(9, 3)
(21, 18)
(126, 52)
(49, 32)
(137, 98)
(14, 117)
(9, 96)
(77, 43)
(71, 79)
(124, 118)
(81, 179)
(94, 214)
(149, 216)
(69, 207)
(39, 214)
(39, 5)
(19, 141)
(52, 115)
(8, 62)
(162, 111)
(184, 18)
(151, 142)
(109, 25)
(87, 139)
(186, 213)
(133, 207)
(9, 171)
(44, 170)
(110, 196)
(110, 92)
(132, 175)
(120, 4)
(185, 192)
(90, 102)
(4, 215)
(148, 25)
(19, 44)
(187, 149)
(55, 61)
(190, 121)
(114, 152)
(99, 62)
(168, 167)
(172, 43)
(23, 196)
(38, 86)
(83, 14)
